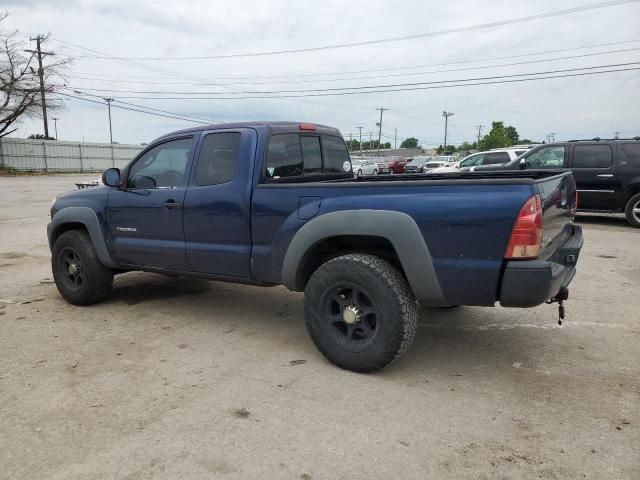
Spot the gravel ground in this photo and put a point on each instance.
(176, 378)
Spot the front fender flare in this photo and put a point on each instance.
(397, 227)
(87, 217)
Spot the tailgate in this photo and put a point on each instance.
(559, 203)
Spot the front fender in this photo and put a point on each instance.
(87, 217)
(396, 227)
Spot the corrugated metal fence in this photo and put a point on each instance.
(55, 156)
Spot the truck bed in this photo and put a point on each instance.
(465, 220)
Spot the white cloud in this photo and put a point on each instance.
(574, 107)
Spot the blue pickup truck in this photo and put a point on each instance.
(276, 203)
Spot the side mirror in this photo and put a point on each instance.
(111, 177)
(523, 164)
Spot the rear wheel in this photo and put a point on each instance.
(80, 277)
(360, 312)
(632, 210)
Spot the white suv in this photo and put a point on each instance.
(497, 156)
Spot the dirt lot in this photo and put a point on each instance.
(175, 378)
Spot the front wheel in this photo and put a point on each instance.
(80, 277)
(360, 312)
(632, 211)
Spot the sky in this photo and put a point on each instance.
(157, 30)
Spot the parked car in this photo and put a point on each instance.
(496, 156)
(417, 165)
(607, 172)
(364, 166)
(440, 161)
(392, 165)
(273, 203)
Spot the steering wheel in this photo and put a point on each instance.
(170, 178)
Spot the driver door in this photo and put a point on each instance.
(144, 216)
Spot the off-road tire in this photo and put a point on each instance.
(95, 279)
(633, 204)
(395, 317)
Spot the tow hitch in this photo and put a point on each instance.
(562, 295)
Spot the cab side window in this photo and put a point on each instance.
(163, 166)
(546, 157)
(218, 158)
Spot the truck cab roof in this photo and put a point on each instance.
(271, 127)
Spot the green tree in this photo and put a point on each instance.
(409, 143)
(353, 145)
(512, 134)
(465, 146)
(496, 138)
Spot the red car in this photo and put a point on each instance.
(392, 165)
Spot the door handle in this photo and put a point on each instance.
(172, 204)
(605, 175)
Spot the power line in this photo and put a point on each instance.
(362, 87)
(396, 90)
(479, 67)
(133, 109)
(499, 23)
(179, 75)
(411, 67)
(205, 120)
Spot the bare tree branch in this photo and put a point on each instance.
(20, 83)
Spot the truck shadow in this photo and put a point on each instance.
(452, 341)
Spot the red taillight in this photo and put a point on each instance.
(526, 236)
(307, 126)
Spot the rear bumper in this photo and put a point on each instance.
(531, 282)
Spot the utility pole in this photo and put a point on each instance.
(616, 135)
(395, 139)
(446, 116)
(370, 141)
(552, 137)
(38, 51)
(382, 109)
(360, 128)
(55, 124)
(479, 134)
(109, 100)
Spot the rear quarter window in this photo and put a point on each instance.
(631, 153)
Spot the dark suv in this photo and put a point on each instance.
(607, 172)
